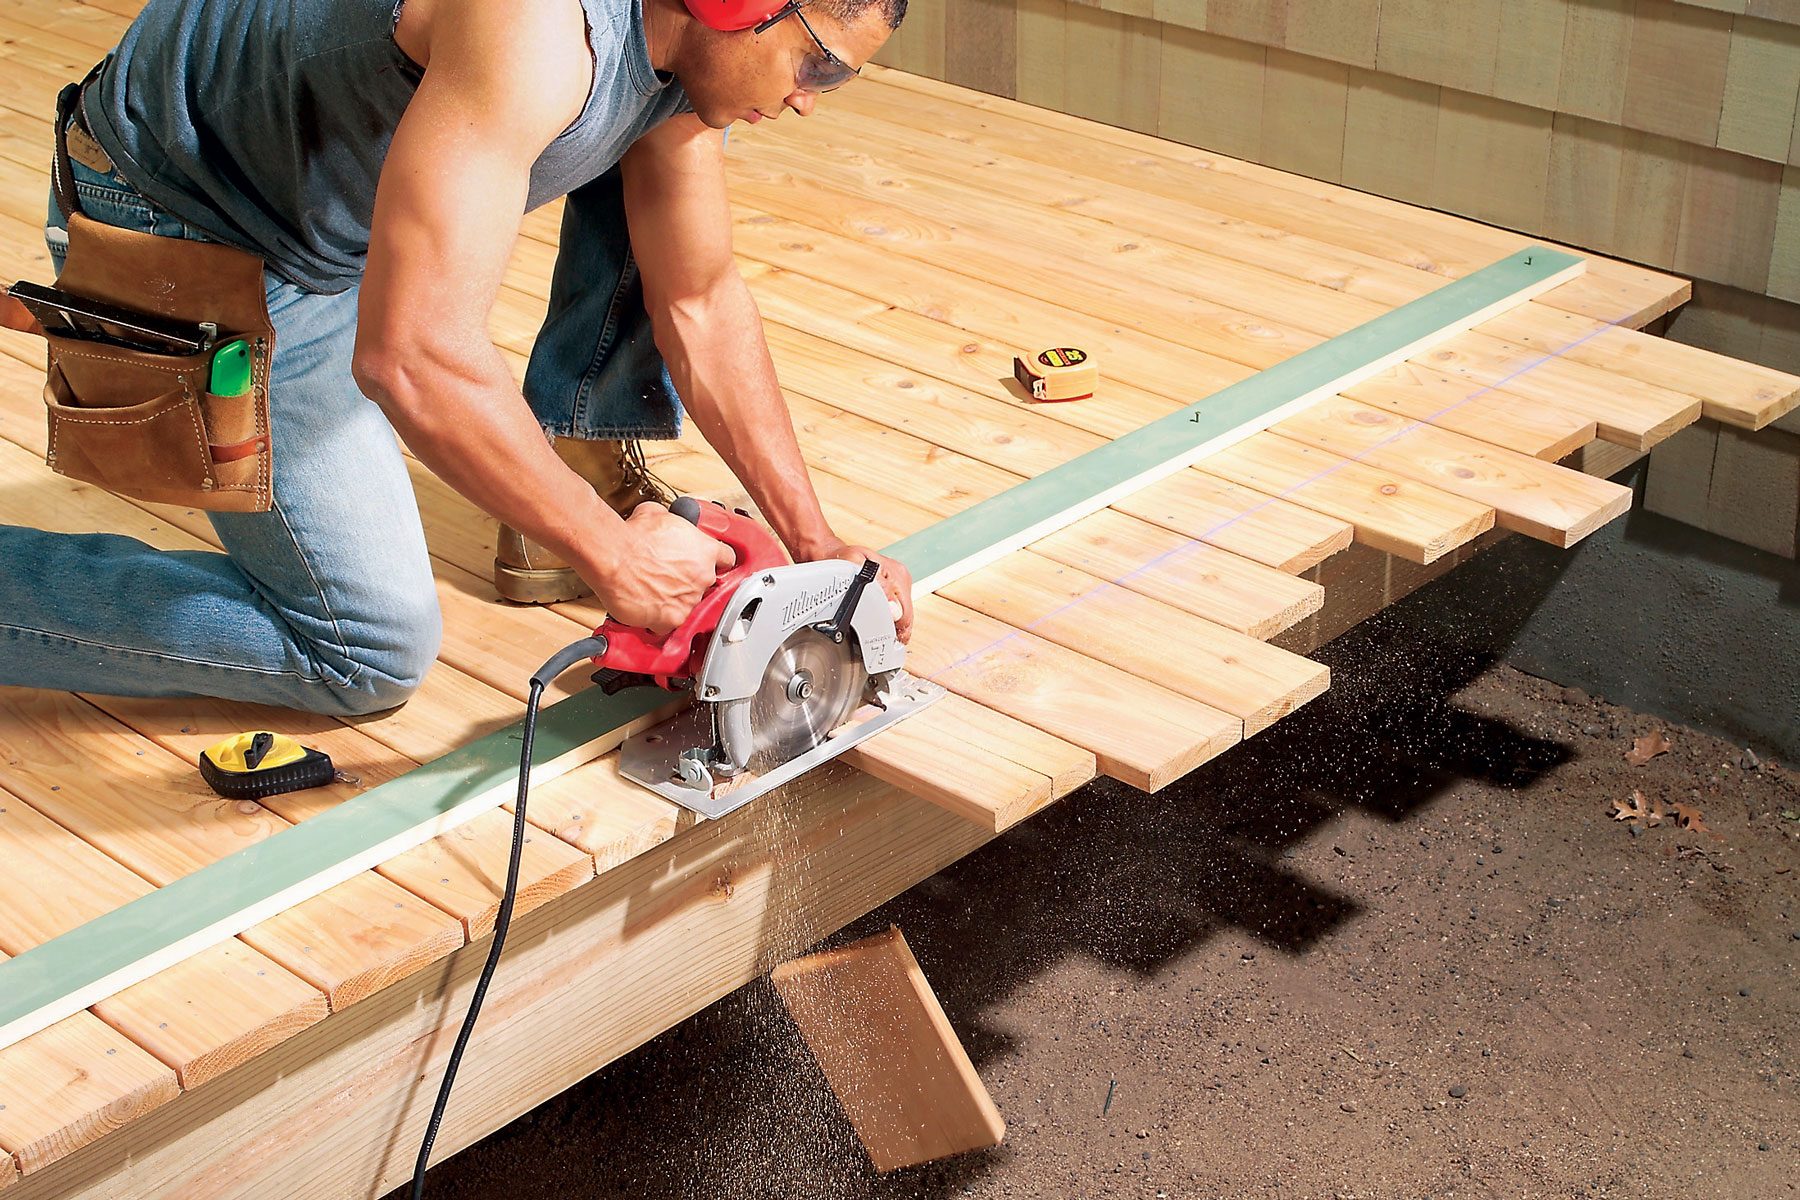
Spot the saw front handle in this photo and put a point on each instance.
(631, 651)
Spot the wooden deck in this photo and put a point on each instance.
(903, 245)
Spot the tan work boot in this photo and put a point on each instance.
(526, 572)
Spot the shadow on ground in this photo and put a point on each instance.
(729, 1105)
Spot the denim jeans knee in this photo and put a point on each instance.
(391, 664)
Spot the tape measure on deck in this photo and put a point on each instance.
(251, 766)
(1058, 373)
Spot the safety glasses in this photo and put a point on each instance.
(818, 72)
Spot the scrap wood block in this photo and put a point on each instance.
(888, 1052)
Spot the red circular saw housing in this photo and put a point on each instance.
(682, 653)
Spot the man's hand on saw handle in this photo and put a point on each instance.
(657, 570)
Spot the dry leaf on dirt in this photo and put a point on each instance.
(1647, 747)
(1637, 809)
(1691, 818)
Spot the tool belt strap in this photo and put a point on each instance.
(68, 105)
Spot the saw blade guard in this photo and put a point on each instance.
(764, 616)
(766, 610)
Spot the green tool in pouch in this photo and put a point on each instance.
(252, 766)
(232, 370)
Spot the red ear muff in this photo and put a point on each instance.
(729, 16)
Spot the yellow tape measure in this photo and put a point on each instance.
(250, 766)
(1058, 373)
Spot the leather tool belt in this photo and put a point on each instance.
(144, 424)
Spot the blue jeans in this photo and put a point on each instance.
(326, 602)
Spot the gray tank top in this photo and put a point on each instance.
(264, 123)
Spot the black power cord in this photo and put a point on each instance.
(568, 656)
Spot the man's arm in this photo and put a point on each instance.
(501, 83)
(710, 333)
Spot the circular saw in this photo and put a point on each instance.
(790, 665)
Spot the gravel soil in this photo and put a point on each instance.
(1397, 946)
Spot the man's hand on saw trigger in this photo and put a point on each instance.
(894, 579)
(661, 569)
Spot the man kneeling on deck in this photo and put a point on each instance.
(265, 125)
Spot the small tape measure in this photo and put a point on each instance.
(1058, 373)
(250, 766)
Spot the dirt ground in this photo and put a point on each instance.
(1398, 946)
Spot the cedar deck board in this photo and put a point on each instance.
(1198, 217)
(69, 1085)
(1200, 299)
(1480, 245)
(1621, 292)
(1389, 228)
(601, 970)
(1529, 496)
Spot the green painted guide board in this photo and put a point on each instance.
(102, 957)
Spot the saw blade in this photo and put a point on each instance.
(812, 686)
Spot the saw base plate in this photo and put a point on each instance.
(652, 758)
